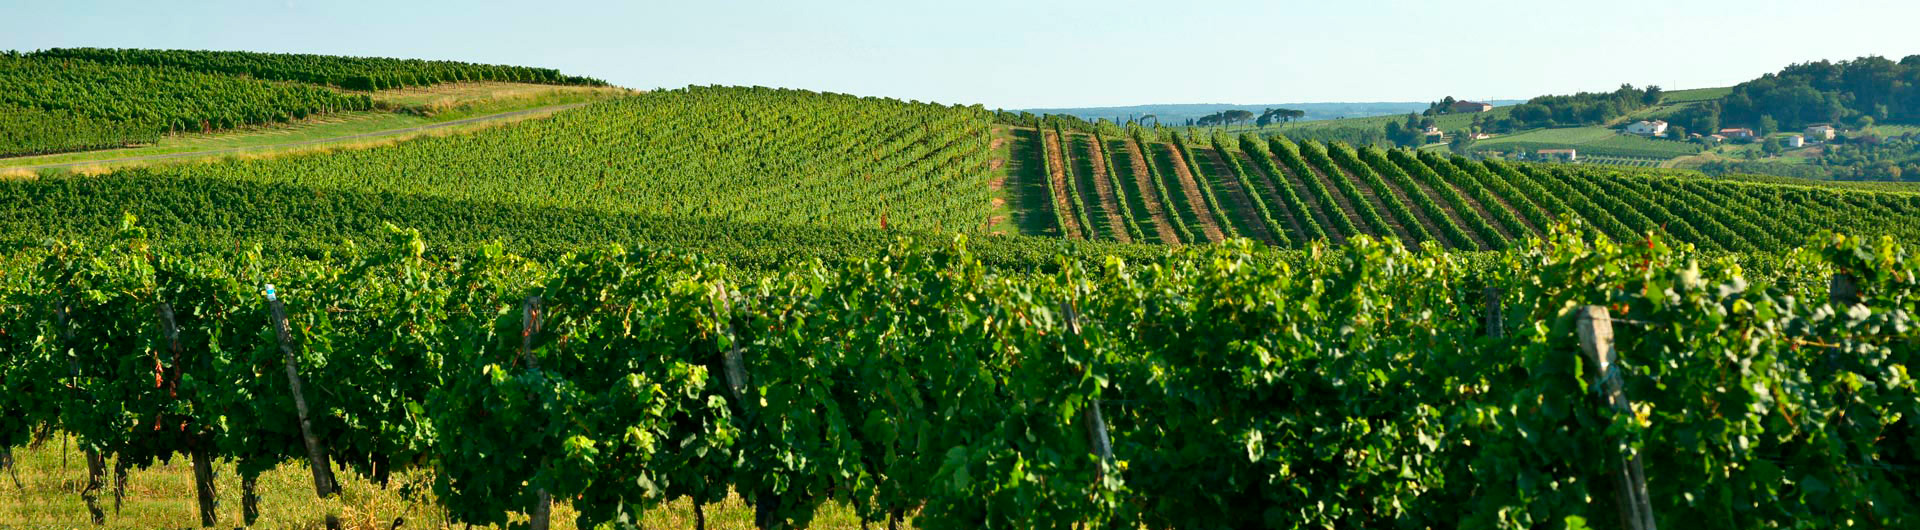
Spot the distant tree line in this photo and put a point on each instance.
(1858, 93)
(1585, 108)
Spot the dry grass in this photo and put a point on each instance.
(268, 153)
(450, 97)
(52, 475)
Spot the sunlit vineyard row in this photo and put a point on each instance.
(1290, 194)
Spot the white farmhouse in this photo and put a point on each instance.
(1820, 132)
(1796, 141)
(1648, 128)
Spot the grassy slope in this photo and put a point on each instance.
(411, 108)
(1597, 140)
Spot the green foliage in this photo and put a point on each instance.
(25, 131)
(114, 104)
(1359, 387)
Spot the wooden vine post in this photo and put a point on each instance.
(1630, 478)
(1842, 290)
(1097, 437)
(530, 325)
(323, 483)
(196, 443)
(1496, 320)
(735, 368)
(96, 464)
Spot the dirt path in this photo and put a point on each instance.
(1057, 173)
(375, 134)
(1143, 181)
(1103, 187)
(1249, 214)
(1191, 189)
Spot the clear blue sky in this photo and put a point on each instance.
(1037, 53)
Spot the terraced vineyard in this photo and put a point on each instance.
(1290, 194)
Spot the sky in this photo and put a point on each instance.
(1036, 53)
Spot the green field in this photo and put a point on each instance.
(1695, 94)
(1588, 140)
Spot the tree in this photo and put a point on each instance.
(1237, 116)
(1677, 132)
(1768, 125)
(1461, 142)
(1862, 122)
(1772, 146)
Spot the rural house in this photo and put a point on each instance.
(1796, 141)
(1820, 132)
(1471, 106)
(1570, 155)
(1648, 128)
(1739, 134)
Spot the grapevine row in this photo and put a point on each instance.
(1253, 193)
(1206, 185)
(926, 384)
(1462, 211)
(1160, 188)
(1119, 191)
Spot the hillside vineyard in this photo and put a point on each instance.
(806, 160)
(53, 105)
(356, 73)
(1170, 395)
(716, 154)
(1290, 194)
(939, 313)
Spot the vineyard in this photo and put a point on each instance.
(803, 300)
(1290, 194)
(117, 105)
(27, 131)
(80, 99)
(1222, 386)
(355, 73)
(1589, 140)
